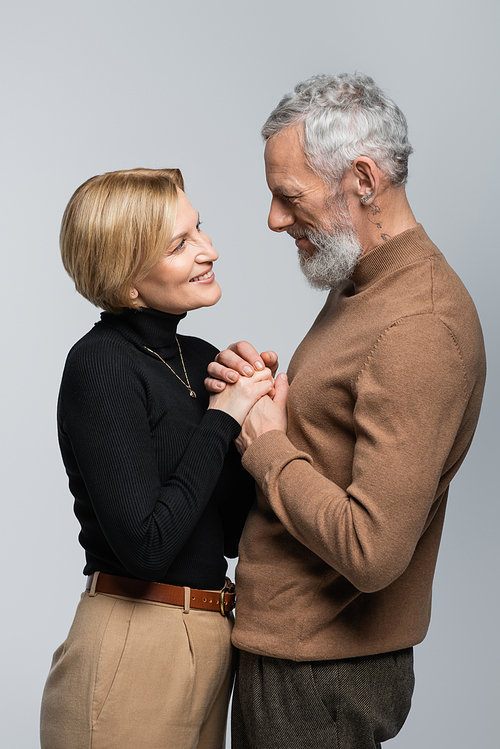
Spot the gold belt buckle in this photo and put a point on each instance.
(228, 588)
(222, 602)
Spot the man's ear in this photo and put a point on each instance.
(366, 179)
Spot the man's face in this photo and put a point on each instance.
(299, 199)
(302, 205)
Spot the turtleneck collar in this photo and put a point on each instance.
(403, 249)
(146, 327)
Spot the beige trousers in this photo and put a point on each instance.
(138, 675)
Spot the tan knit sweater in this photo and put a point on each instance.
(338, 555)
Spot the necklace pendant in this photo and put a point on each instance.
(187, 383)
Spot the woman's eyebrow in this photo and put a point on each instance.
(182, 233)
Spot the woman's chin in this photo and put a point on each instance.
(217, 293)
(209, 300)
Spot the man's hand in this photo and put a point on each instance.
(239, 359)
(266, 415)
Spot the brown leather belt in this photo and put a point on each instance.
(222, 601)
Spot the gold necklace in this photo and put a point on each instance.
(187, 383)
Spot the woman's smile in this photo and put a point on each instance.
(208, 276)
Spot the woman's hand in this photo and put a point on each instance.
(266, 415)
(237, 399)
(239, 359)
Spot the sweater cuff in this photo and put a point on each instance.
(221, 422)
(271, 451)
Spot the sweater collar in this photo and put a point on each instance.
(403, 249)
(146, 327)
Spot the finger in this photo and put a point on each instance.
(246, 351)
(269, 375)
(281, 390)
(230, 360)
(219, 372)
(214, 386)
(264, 374)
(270, 359)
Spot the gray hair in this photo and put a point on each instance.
(345, 116)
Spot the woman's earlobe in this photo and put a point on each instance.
(133, 293)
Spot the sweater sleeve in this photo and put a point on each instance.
(410, 399)
(105, 435)
(238, 498)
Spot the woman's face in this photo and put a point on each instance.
(183, 278)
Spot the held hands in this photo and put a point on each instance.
(241, 363)
(267, 414)
(239, 359)
(238, 399)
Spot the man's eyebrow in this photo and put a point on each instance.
(286, 193)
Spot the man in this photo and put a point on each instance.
(338, 554)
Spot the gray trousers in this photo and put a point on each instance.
(354, 703)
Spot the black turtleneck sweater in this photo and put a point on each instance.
(158, 485)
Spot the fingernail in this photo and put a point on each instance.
(248, 371)
(259, 365)
(283, 376)
(232, 376)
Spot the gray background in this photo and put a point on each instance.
(95, 86)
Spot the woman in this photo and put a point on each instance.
(157, 483)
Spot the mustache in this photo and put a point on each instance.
(299, 233)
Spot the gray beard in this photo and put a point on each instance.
(336, 255)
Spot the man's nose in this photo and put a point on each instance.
(280, 216)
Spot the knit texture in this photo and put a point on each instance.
(338, 556)
(158, 485)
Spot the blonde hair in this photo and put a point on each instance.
(115, 228)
